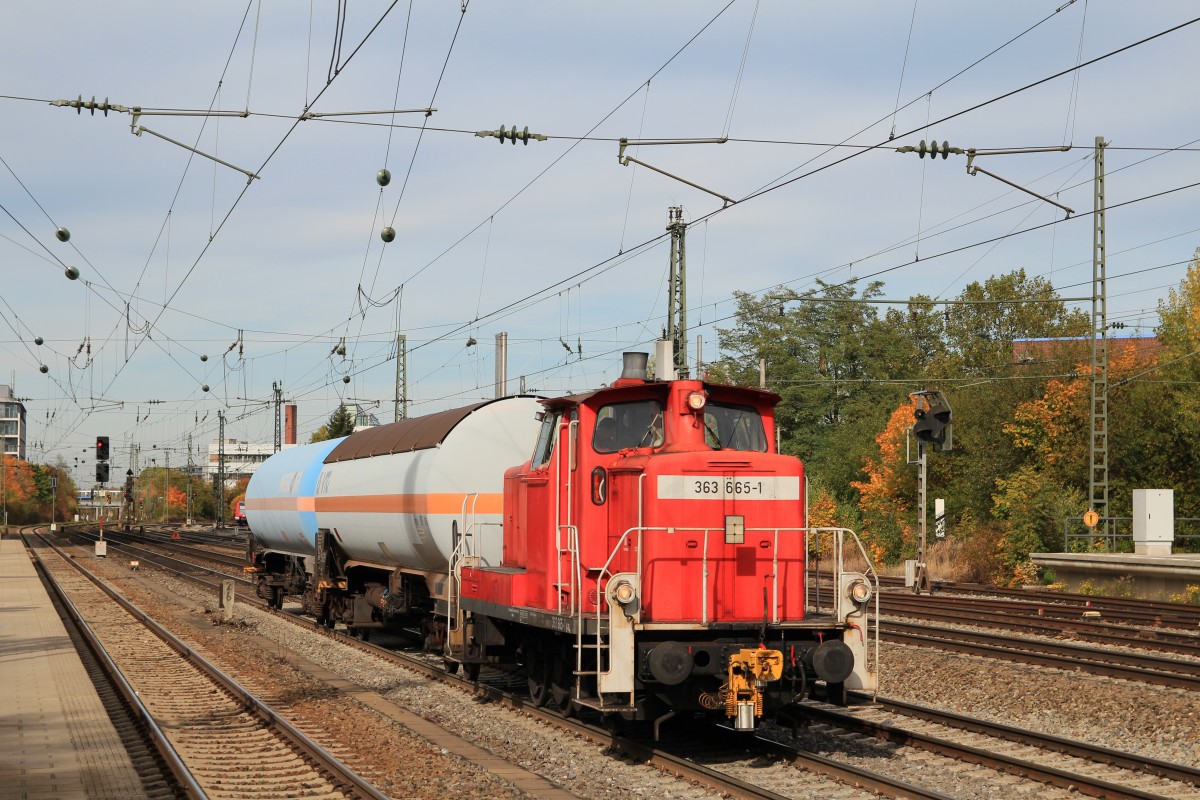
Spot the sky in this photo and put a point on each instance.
(199, 288)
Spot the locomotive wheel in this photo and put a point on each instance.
(561, 684)
(539, 681)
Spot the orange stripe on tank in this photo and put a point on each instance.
(434, 503)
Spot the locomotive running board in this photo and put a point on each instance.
(550, 620)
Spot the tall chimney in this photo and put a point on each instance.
(289, 423)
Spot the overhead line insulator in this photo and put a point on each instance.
(512, 134)
(79, 104)
(933, 149)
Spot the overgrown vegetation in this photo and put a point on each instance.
(844, 369)
(30, 493)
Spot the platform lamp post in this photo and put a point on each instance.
(932, 425)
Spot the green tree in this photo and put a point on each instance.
(981, 329)
(341, 423)
(830, 358)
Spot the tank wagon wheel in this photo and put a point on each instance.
(450, 666)
(277, 598)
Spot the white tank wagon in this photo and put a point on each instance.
(366, 528)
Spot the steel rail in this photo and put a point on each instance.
(1094, 752)
(1110, 663)
(1053, 776)
(1180, 615)
(157, 560)
(953, 611)
(179, 770)
(326, 760)
(654, 756)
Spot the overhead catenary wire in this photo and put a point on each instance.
(706, 221)
(241, 194)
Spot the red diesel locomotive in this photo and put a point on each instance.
(655, 562)
(652, 558)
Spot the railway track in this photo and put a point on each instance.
(1054, 622)
(1078, 766)
(1112, 663)
(220, 739)
(1149, 613)
(1084, 767)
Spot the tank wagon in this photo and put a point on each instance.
(650, 558)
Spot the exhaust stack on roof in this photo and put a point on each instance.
(633, 366)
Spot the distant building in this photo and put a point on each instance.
(362, 418)
(12, 424)
(1034, 351)
(241, 458)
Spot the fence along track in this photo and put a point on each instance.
(234, 746)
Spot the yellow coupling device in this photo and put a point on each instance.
(749, 672)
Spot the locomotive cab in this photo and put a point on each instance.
(655, 557)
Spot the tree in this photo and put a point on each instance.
(1167, 400)
(886, 496)
(830, 359)
(20, 491)
(980, 331)
(341, 423)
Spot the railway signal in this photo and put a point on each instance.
(933, 424)
(102, 448)
(102, 472)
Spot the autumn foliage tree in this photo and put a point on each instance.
(885, 497)
(30, 494)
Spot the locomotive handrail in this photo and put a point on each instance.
(838, 535)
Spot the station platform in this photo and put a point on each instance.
(1147, 577)
(56, 739)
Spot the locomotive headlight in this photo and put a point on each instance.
(623, 592)
(696, 401)
(860, 592)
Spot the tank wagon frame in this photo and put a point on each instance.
(651, 558)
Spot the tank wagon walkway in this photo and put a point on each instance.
(55, 738)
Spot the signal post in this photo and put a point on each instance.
(932, 425)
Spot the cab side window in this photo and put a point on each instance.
(545, 441)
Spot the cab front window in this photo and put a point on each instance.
(621, 426)
(732, 427)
